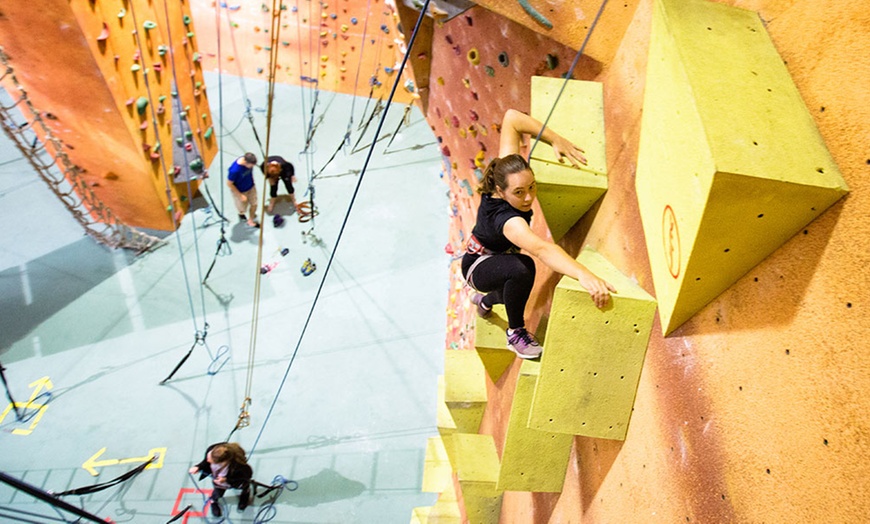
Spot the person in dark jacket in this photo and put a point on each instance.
(228, 467)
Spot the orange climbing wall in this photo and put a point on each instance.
(343, 44)
(755, 409)
(85, 85)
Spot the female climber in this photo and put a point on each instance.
(492, 264)
(228, 467)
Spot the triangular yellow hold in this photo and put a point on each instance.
(591, 364)
(420, 515)
(730, 163)
(490, 341)
(446, 508)
(465, 389)
(531, 460)
(564, 192)
(437, 472)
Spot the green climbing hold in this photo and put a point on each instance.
(182, 115)
(208, 133)
(162, 50)
(186, 20)
(122, 13)
(197, 57)
(183, 198)
(135, 67)
(157, 147)
(196, 165)
(174, 94)
(179, 140)
(198, 84)
(188, 135)
(161, 98)
(205, 116)
(148, 25)
(141, 105)
(489, 70)
(190, 34)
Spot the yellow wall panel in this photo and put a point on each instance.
(730, 163)
(564, 192)
(465, 389)
(531, 460)
(591, 364)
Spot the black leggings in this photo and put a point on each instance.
(273, 189)
(506, 279)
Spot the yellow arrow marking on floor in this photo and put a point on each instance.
(92, 463)
(37, 386)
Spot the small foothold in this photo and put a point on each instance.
(148, 25)
(454, 120)
(344, 28)
(385, 29)
(188, 135)
(136, 56)
(188, 146)
(473, 56)
(440, 80)
(130, 101)
(162, 49)
(161, 98)
(489, 71)
(146, 147)
(158, 67)
(122, 13)
(155, 156)
(503, 59)
(354, 21)
(196, 165)
(190, 34)
(161, 109)
(143, 126)
(183, 115)
(197, 57)
(186, 20)
(104, 34)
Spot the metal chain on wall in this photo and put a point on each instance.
(47, 156)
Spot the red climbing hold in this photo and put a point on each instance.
(445, 151)
(474, 117)
(454, 120)
(104, 34)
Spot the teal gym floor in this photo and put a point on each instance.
(88, 332)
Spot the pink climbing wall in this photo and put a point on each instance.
(347, 46)
(755, 409)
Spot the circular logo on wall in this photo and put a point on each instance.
(671, 241)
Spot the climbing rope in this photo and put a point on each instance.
(568, 76)
(340, 232)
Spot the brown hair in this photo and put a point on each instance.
(273, 168)
(250, 158)
(228, 452)
(498, 170)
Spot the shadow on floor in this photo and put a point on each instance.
(31, 294)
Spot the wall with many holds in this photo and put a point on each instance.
(345, 46)
(119, 83)
(751, 409)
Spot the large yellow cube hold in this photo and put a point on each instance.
(475, 461)
(437, 472)
(730, 164)
(445, 423)
(566, 193)
(531, 460)
(465, 389)
(591, 364)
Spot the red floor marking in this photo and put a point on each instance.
(184, 491)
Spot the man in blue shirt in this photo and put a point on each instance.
(241, 183)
